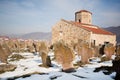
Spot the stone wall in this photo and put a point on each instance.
(68, 32)
(100, 39)
(84, 17)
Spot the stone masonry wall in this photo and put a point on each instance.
(69, 33)
(84, 17)
(100, 38)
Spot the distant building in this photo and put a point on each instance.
(81, 28)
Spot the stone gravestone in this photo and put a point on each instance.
(31, 49)
(118, 50)
(101, 49)
(97, 51)
(30, 46)
(91, 52)
(64, 56)
(46, 62)
(16, 46)
(43, 47)
(116, 67)
(109, 50)
(3, 56)
(11, 45)
(7, 67)
(43, 50)
(6, 49)
(36, 45)
(22, 46)
(85, 51)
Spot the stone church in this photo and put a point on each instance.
(83, 29)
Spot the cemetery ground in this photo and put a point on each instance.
(29, 67)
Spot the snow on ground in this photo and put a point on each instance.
(31, 65)
(28, 65)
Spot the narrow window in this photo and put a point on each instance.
(106, 42)
(94, 42)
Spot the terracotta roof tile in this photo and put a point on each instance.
(96, 30)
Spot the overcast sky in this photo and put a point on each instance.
(24, 16)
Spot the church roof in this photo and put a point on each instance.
(91, 28)
(83, 11)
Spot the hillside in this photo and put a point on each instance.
(37, 36)
(115, 30)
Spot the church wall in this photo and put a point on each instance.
(100, 39)
(69, 33)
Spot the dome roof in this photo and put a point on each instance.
(83, 11)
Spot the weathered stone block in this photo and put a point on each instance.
(3, 56)
(63, 55)
(6, 67)
(46, 62)
(118, 50)
(109, 50)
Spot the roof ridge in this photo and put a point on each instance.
(107, 31)
(97, 30)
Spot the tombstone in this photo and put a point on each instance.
(22, 46)
(101, 50)
(30, 46)
(17, 46)
(43, 47)
(109, 50)
(7, 67)
(118, 50)
(6, 49)
(64, 56)
(46, 62)
(36, 45)
(85, 52)
(31, 49)
(11, 45)
(116, 67)
(91, 52)
(97, 53)
(3, 56)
